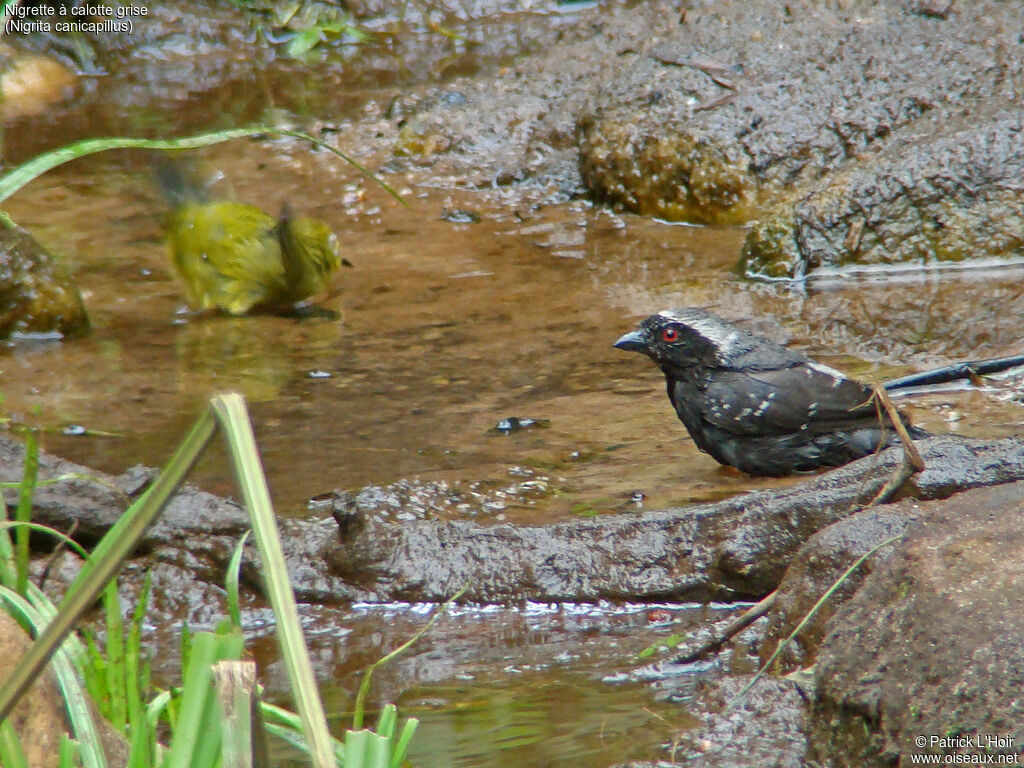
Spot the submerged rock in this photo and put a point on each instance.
(29, 84)
(36, 293)
(765, 728)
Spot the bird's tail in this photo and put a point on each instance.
(180, 180)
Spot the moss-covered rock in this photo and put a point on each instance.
(37, 295)
(946, 191)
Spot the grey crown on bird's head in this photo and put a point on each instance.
(705, 337)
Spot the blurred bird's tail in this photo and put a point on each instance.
(180, 180)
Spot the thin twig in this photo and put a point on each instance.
(806, 620)
(912, 462)
(732, 629)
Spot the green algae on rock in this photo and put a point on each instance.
(37, 295)
(679, 178)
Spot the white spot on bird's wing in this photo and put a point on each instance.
(837, 377)
(763, 407)
(812, 409)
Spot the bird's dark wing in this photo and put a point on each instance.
(803, 398)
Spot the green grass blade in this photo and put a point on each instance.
(294, 738)
(24, 511)
(141, 749)
(18, 177)
(386, 721)
(8, 574)
(366, 172)
(196, 690)
(117, 713)
(68, 753)
(96, 679)
(75, 698)
(156, 708)
(234, 420)
(356, 744)
(195, 743)
(108, 556)
(11, 753)
(67, 541)
(143, 737)
(231, 582)
(398, 751)
(364, 687)
(378, 749)
(806, 619)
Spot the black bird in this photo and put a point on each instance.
(767, 410)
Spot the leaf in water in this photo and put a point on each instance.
(304, 41)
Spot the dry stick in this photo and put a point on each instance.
(733, 628)
(57, 552)
(912, 461)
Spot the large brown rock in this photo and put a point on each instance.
(928, 655)
(815, 567)
(38, 718)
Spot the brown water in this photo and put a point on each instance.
(446, 328)
(539, 685)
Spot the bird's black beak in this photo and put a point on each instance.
(632, 341)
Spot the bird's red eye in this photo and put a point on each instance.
(670, 335)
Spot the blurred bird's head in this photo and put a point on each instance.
(307, 244)
(319, 244)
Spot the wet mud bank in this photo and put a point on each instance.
(738, 548)
(854, 133)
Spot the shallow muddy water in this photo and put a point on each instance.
(530, 686)
(445, 329)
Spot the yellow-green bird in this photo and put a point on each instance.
(234, 257)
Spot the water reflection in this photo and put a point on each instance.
(516, 687)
